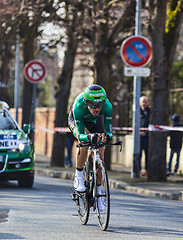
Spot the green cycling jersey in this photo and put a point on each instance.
(82, 114)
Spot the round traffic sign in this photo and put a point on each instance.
(34, 71)
(136, 51)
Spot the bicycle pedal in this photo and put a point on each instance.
(74, 197)
(92, 201)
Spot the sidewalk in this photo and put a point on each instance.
(120, 178)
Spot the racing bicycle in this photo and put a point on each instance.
(94, 171)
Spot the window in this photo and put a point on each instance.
(6, 122)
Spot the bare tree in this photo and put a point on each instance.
(165, 30)
(6, 51)
(73, 19)
(108, 24)
(6, 56)
(26, 16)
(31, 16)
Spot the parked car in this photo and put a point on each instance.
(16, 150)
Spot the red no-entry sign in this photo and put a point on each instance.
(34, 71)
(136, 51)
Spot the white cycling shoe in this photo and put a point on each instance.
(78, 182)
(101, 204)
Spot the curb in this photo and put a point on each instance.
(54, 173)
(146, 192)
(114, 184)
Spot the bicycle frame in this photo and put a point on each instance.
(96, 158)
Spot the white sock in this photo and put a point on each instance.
(99, 189)
(79, 174)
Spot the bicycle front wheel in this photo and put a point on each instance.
(82, 201)
(102, 195)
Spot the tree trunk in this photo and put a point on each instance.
(104, 42)
(164, 45)
(104, 73)
(62, 95)
(28, 35)
(28, 49)
(5, 59)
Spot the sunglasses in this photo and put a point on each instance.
(94, 104)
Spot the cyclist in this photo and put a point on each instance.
(90, 120)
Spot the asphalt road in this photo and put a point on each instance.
(47, 212)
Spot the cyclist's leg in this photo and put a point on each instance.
(99, 174)
(101, 153)
(81, 155)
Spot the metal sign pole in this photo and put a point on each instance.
(17, 75)
(34, 109)
(136, 107)
(34, 72)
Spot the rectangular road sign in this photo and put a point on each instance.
(137, 71)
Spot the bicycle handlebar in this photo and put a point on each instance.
(98, 145)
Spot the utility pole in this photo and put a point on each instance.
(17, 75)
(136, 107)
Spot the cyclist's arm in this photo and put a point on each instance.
(108, 119)
(79, 130)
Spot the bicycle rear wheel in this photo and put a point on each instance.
(82, 201)
(102, 196)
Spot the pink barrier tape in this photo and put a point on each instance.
(62, 129)
(165, 128)
(126, 128)
(44, 129)
(155, 128)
